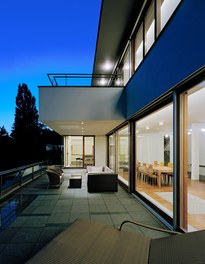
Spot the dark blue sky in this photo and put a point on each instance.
(40, 37)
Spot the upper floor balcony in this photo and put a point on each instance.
(72, 100)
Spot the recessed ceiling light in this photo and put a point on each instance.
(147, 127)
(161, 123)
(102, 82)
(82, 123)
(118, 82)
(107, 66)
(203, 130)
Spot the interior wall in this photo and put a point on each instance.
(150, 147)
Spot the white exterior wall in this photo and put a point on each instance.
(100, 151)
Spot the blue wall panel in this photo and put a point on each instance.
(178, 52)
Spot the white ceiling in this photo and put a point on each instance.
(94, 127)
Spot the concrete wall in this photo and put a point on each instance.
(177, 53)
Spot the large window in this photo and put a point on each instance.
(149, 28)
(139, 47)
(122, 150)
(154, 158)
(192, 178)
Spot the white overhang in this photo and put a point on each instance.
(82, 110)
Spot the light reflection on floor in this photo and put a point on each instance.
(12, 207)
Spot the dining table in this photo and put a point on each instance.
(160, 170)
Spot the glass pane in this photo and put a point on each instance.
(139, 47)
(123, 155)
(149, 28)
(167, 8)
(192, 198)
(126, 67)
(88, 151)
(154, 158)
(112, 152)
(73, 156)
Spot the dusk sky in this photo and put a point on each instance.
(40, 37)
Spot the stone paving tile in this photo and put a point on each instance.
(27, 235)
(53, 210)
(36, 221)
(58, 218)
(101, 218)
(16, 253)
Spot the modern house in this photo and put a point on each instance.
(143, 112)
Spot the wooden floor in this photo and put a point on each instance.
(196, 188)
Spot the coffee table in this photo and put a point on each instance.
(75, 181)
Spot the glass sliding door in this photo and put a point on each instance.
(122, 151)
(154, 158)
(88, 151)
(112, 152)
(192, 170)
(78, 151)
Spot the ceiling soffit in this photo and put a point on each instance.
(116, 23)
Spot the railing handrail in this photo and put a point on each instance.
(21, 168)
(54, 76)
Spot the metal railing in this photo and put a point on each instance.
(67, 79)
(11, 180)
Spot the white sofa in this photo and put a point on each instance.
(101, 179)
(99, 169)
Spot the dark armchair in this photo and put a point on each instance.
(55, 178)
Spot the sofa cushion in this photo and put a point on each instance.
(107, 169)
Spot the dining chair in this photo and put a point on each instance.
(155, 163)
(152, 176)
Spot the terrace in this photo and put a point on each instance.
(38, 214)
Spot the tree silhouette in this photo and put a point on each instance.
(3, 132)
(25, 130)
(7, 149)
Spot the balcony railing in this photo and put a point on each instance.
(11, 180)
(67, 79)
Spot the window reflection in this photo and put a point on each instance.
(123, 155)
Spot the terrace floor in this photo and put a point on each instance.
(37, 214)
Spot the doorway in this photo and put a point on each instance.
(79, 151)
